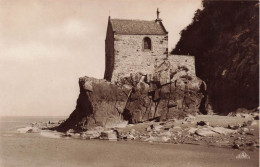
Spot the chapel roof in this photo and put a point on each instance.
(138, 27)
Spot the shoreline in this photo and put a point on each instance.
(217, 131)
(33, 149)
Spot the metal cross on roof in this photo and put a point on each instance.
(158, 12)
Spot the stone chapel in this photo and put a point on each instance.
(133, 46)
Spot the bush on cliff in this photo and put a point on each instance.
(224, 38)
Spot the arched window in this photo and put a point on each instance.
(147, 44)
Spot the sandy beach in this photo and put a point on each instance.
(30, 150)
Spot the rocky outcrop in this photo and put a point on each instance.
(100, 103)
(169, 92)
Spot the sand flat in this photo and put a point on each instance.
(30, 150)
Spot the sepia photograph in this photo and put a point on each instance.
(129, 83)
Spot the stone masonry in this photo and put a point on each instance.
(183, 60)
(131, 58)
(126, 53)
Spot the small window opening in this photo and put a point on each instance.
(147, 43)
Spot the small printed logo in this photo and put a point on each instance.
(243, 155)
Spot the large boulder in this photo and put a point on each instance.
(100, 103)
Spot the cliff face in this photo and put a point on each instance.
(99, 104)
(224, 38)
(170, 92)
(166, 94)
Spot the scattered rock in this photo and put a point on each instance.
(245, 116)
(250, 134)
(165, 138)
(60, 121)
(179, 133)
(195, 139)
(76, 135)
(157, 139)
(33, 130)
(34, 124)
(156, 127)
(192, 130)
(122, 124)
(67, 135)
(222, 130)
(149, 129)
(252, 123)
(245, 129)
(176, 127)
(167, 134)
(83, 135)
(244, 113)
(92, 133)
(130, 137)
(202, 123)
(110, 135)
(70, 131)
(132, 132)
(205, 132)
(162, 123)
(234, 127)
(189, 119)
(236, 146)
(250, 144)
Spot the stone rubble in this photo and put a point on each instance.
(241, 134)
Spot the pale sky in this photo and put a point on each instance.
(46, 45)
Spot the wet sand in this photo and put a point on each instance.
(30, 150)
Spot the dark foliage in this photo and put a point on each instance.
(224, 38)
